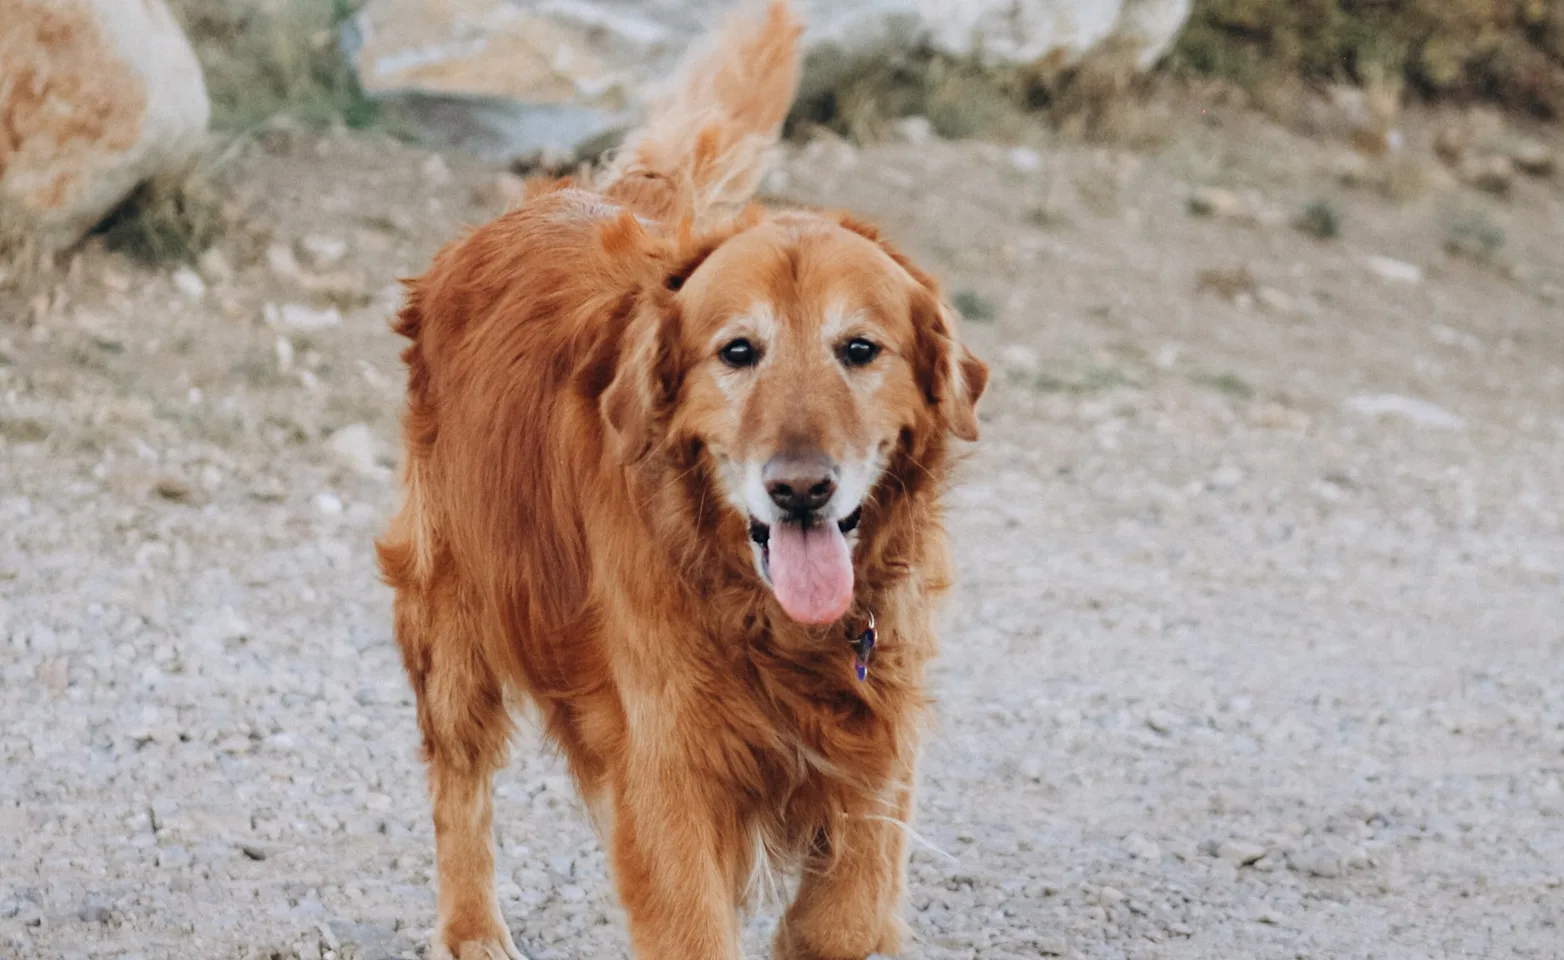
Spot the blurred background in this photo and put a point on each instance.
(1257, 650)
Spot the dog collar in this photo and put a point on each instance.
(863, 648)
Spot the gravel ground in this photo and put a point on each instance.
(1248, 660)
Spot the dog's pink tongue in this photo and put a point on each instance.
(811, 571)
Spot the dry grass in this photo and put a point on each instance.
(268, 57)
(1509, 51)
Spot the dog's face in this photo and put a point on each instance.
(806, 352)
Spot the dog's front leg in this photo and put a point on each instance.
(676, 853)
(849, 900)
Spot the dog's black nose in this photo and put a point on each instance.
(800, 483)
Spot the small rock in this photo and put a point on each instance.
(1396, 271)
(189, 283)
(1021, 359)
(282, 263)
(94, 911)
(1141, 848)
(1215, 202)
(297, 316)
(356, 448)
(915, 130)
(1492, 174)
(1239, 853)
(1316, 861)
(321, 251)
(284, 350)
(172, 488)
(255, 851)
(1276, 301)
(214, 266)
(329, 504)
(1533, 159)
(1225, 478)
(434, 171)
(1051, 946)
(1025, 160)
(1162, 721)
(9, 909)
(1110, 896)
(1419, 412)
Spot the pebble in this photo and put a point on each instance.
(322, 251)
(189, 283)
(1239, 853)
(1415, 411)
(435, 171)
(916, 130)
(328, 504)
(1141, 848)
(1396, 271)
(1492, 173)
(282, 263)
(214, 265)
(1025, 160)
(297, 316)
(1215, 202)
(356, 447)
(1534, 159)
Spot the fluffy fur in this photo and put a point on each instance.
(575, 529)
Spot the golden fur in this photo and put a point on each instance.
(568, 533)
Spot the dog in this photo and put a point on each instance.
(673, 475)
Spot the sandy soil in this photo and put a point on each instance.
(1258, 653)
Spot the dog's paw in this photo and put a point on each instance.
(495, 949)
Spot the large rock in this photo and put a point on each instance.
(96, 97)
(509, 79)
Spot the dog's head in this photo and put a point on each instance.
(799, 357)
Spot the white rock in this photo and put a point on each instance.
(116, 98)
(434, 170)
(297, 316)
(1239, 853)
(355, 447)
(329, 504)
(1420, 412)
(1020, 358)
(1137, 846)
(512, 81)
(284, 349)
(914, 130)
(1025, 160)
(1396, 271)
(189, 283)
(322, 251)
(282, 263)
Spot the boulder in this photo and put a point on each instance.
(96, 98)
(523, 79)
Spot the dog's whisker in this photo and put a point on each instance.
(912, 835)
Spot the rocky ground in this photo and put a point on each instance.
(1258, 653)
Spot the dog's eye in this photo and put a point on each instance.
(739, 353)
(859, 352)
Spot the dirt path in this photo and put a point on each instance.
(1238, 668)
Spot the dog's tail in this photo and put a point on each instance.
(707, 141)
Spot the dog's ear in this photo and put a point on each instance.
(647, 375)
(952, 378)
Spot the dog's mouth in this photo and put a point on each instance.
(808, 563)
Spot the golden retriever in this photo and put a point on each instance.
(673, 474)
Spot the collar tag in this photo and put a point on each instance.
(863, 648)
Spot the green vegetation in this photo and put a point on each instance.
(262, 59)
(974, 306)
